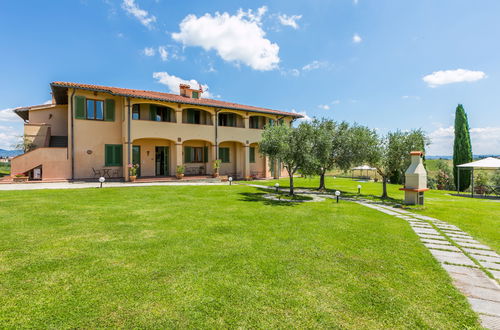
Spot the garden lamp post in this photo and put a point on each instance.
(337, 194)
(230, 179)
(359, 189)
(277, 186)
(101, 181)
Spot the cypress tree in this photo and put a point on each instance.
(462, 149)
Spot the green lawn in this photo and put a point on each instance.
(212, 257)
(4, 169)
(478, 217)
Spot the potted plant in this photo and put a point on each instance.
(20, 177)
(216, 167)
(132, 172)
(179, 172)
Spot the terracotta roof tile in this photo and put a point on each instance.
(152, 95)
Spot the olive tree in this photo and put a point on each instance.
(292, 146)
(330, 149)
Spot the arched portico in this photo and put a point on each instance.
(197, 157)
(156, 157)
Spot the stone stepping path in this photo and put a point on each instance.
(467, 261)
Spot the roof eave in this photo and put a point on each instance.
(175, 101)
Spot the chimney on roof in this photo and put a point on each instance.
(187, 91)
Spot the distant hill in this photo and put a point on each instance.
(10, 153)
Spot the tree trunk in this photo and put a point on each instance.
(322, 181)
(291, 184)
(384, 187)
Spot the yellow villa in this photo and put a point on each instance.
(90, 131)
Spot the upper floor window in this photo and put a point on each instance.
(196, 95)
(255, 122)
(136, 112)
(227, 119)
(160, 113)
(95, 109)
(193, 116)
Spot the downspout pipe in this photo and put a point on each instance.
(128, 131)
(217, 133)
(72, 136)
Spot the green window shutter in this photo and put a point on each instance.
(224, 155)
(113, 155)
(118, 155)
(231, 119)
(108, 155)
(205, 154)
(152, 112)
(80, 107)
(109, 110)
(187, 155)
(190, 116)
(168, 115)
(252, 155)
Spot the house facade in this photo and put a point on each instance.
(90, 131)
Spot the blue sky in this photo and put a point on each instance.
(382, 63)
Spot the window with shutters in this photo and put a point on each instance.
(94, 109)
(196, 95)
(113, 155)
(193, 116)
(224, 155)
(255, 122)
(227, 119)
(160, 113)
(252, 154)
(195, 154)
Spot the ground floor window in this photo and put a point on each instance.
(252, 154)
(195, 154)
(224, 155)
(113, 155)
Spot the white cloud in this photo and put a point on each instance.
(485, 140)
(412, 97)
(356, 38)
(162, 50)
(290, 20)
(336, 102)
(444, 77)
(304, 114)
(9, 136)
(314, 65)
(8, 115)
(172, 82)
(149, 51)
(236, 38)
(142, 15)
(324, 106)
(355, 2)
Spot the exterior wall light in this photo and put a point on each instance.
(101, 180)
(337, 194)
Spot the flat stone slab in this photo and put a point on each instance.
(452, 257)
(485, 258)
(431, 236)
(435, 241)
(485, 306)
(470, 241)
(479, 292)
(490, 265)
(482, 252)
(474, 246)
(442, 247)
(459, 236)
(495, 273)
(490, 322)
(426, 231)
